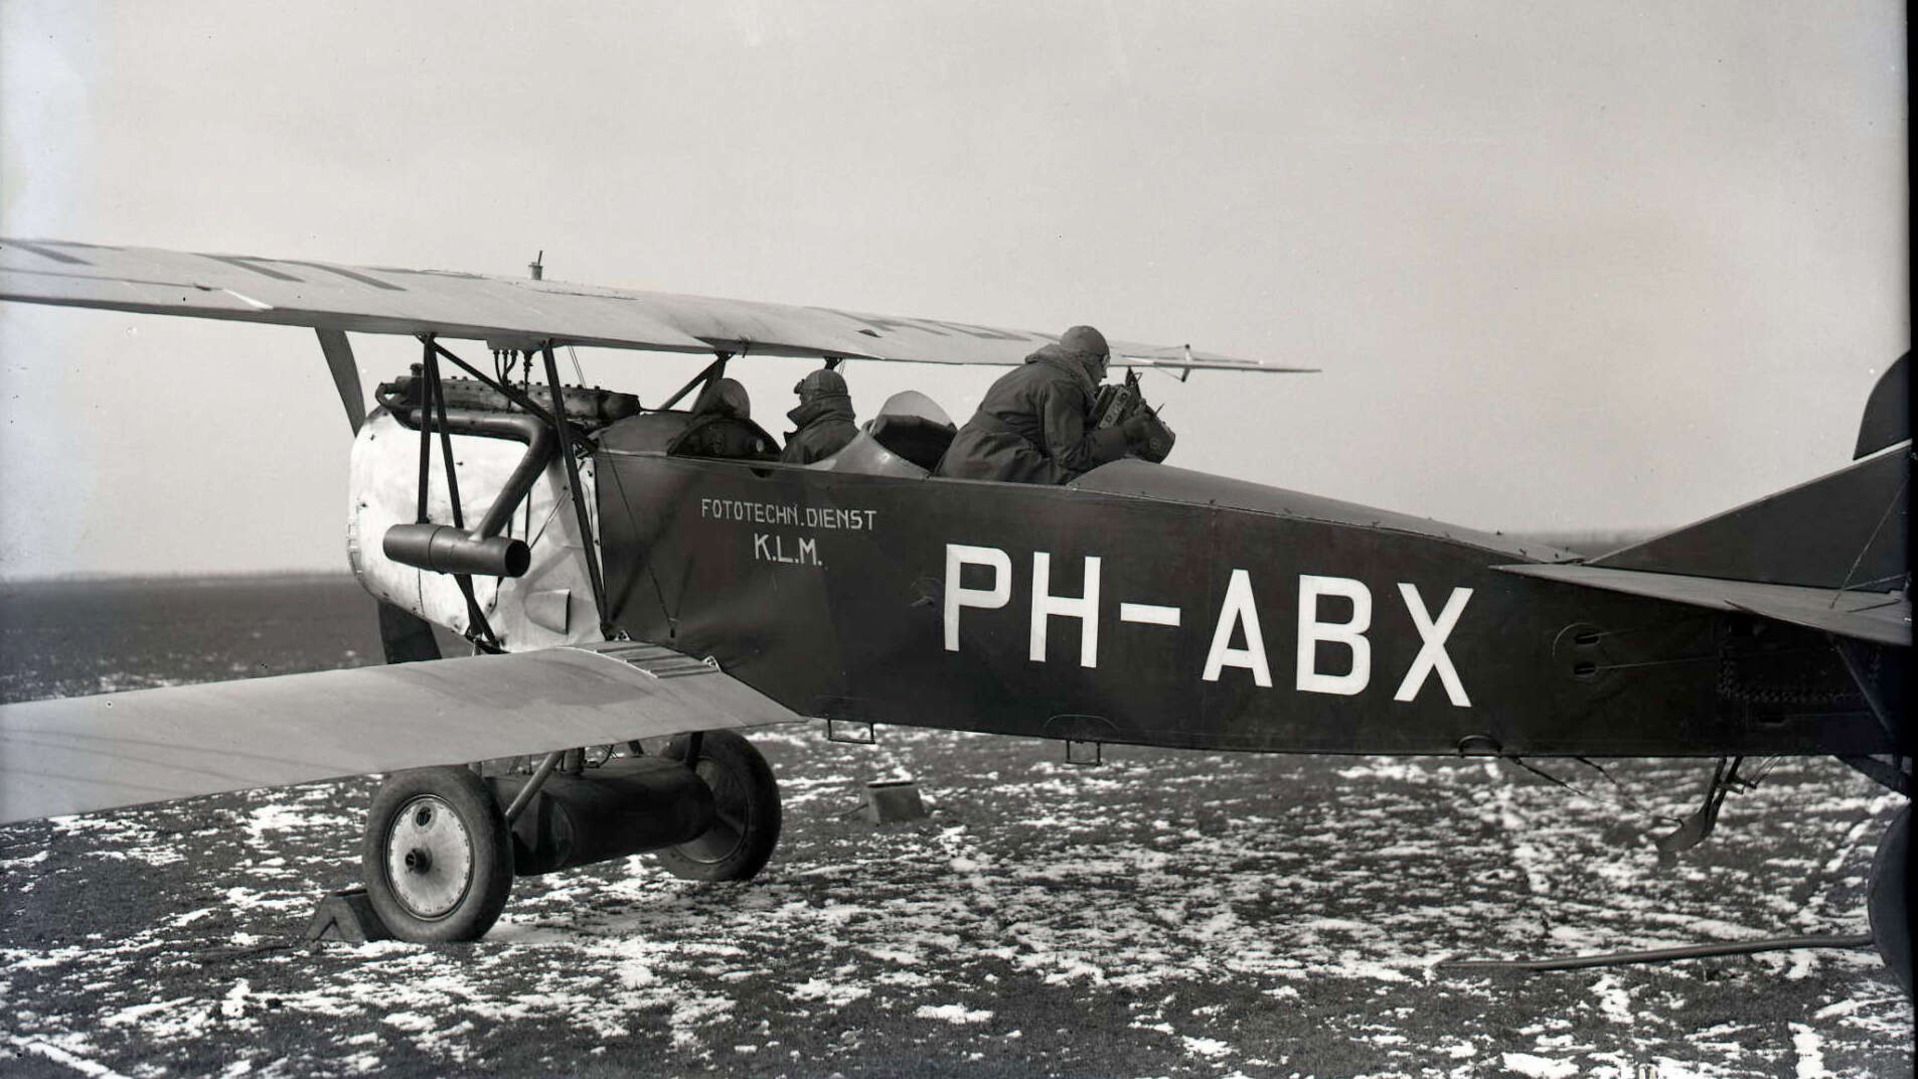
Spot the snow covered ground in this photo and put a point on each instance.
(1164, 914)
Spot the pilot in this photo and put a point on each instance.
(1035, 424)
(824, 418)
(721, 425)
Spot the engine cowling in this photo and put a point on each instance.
(550, 603)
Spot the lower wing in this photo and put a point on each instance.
(82, 754)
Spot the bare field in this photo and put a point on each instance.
(1164, 914)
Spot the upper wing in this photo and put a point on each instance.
(1882, 617)
(510, 312)
(83, 754)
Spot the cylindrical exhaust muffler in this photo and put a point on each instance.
(445, 549)
(625, 806)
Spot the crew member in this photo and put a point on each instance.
(722, 425)
(824, 418)
(1035, 424)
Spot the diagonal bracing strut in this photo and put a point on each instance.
(563, 426)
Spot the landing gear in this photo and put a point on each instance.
(438, 858)
(1886, 903)
(745, 810)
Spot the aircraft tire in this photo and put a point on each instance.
(746, 804)
(1887, 902)
(438, 856)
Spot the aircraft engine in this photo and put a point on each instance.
(523, 551)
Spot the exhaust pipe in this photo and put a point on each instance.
(483, 551)
(445, 549)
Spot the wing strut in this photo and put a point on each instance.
(346, 374)
(432, 410)
(404, 637)
(591, 546)
(713, 370)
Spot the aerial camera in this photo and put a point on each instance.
(1119, 402)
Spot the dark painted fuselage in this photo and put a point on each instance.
(1158, 606)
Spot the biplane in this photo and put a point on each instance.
(634, 598)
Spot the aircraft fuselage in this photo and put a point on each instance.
(1157, 606)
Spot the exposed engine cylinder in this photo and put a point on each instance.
(590, 407)
(626, 806)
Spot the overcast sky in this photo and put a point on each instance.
(1565, 265)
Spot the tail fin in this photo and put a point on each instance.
(1843, 531)
(1888, 411)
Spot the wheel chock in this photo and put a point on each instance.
(893, 800)
(347, 915)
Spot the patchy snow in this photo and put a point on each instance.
(264, 823)
(1211, 1048)
(413, 1022)
(1166, 913)
(69, 1053)
(1810, 1050)
(1614, 1000)
(1536, 1067)
(952, 1013)
(831, 993)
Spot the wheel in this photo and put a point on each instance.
(745, 811)
(438, 857)
(1886, 904)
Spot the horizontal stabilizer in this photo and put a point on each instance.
(1846, 530)
(512, 312)
(1880, 617)
(82, 754)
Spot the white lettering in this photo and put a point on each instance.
(808, 551)
(1238, 610)
(1046, 605)
(1350, 634)
(959, 556)
(786, 513)
(760, 550)
(1432, 655)
(1150, 614)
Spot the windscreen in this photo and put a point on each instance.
(913, 404)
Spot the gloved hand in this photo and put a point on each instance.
(1147, 436)
(1138, 430)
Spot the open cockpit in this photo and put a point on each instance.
(906, 439)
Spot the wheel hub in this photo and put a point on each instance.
(429, 857)
(730, 807)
